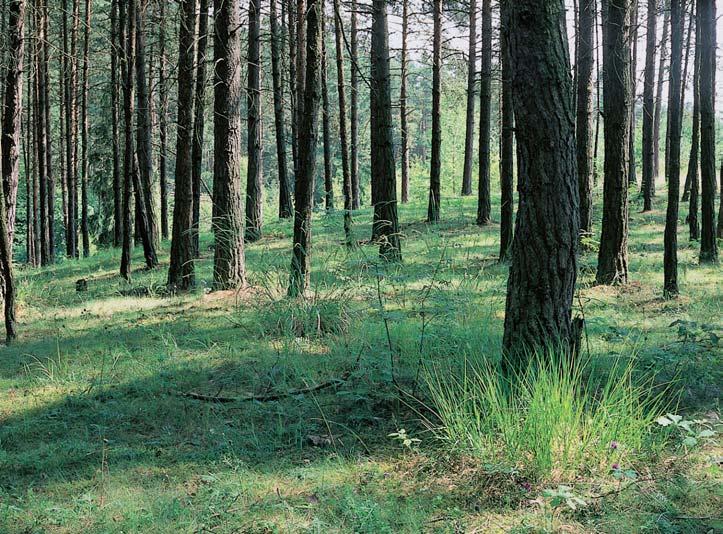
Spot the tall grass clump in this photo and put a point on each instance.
(553, 421)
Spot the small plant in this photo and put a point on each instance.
(405, 439)
(563, 496)
(690, 431)
(693, 332)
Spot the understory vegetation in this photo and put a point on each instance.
(373, 405)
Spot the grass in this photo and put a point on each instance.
(96, 435)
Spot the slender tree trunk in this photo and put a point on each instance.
(127, 16)
(199, 106)
(354, 111)
(308, 125)
(115, 119)
(484, 204)
(403, 119)
(285, 206)
(659, 92)
(632, 166)
(436, 163)
(71, 141)
(507, 128)
(649, 109)
(64, 118)
(46, 195)
(229, 269)
(29, 165)
(692, 179)
(300, 66)
(585, 62)
(291, 26)
(469, 122)
(672, 169)
(181, 273)
(85, 232)
(254, 177)
(163, 119)
(686, 51)
(544, 252)
(707, 44)
(325, 126)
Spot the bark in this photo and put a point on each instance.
(301, 249)
(707, 44)
(469, 122)
(382, 139)
(612, 267)
(300, 66)
(325, 126)
(285, 204)
(692, 179)
(85, 232)
(354, 111)
(228, 262)
(648, 187)
(632, 167)
(163, 120)
(199, 105)
(506, 145)
(127, 16)
(436, 163)
(659, 92)
(291, 27)
(46, 194)
(181, 275)
(254, 176)
(29, 164)
(71, 139)
(686, 51)
(403, 119)
(672, 169)
(544, 260)
(484, 208)
(115, 119)
(585, 62)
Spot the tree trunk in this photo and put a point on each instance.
(301, 259)
(484, 208)
(325, 126)
(126, 16)
(469, 122)
(254, 177)
(686, 51)
(672, 169)
(544, 260)
(382, 139)
(507, 129)
(354, 111)
(46, 198)
(707, 44)
(115, 119)
(85, 232)
(285, 206)
(436, 163)
(291, 26)
(659, 92)
(163, 120)
(403, 119)
(612, 267)
(71, 140)
(632, 167)
(29, 164)
(199, 105)
(692, 179)
(585, 62)
(229, 269)
(649, 109)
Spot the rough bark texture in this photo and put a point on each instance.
(612, 266)
(435, 168)
(254, 176)
(354, 111)
(649, 108)
(308, 125)
(382, 139)
(585, 62)
(285, 205)
(507, 151)
(692, 179)
(707, 43)
(85, 132)
(181, 273)
(199, 117)
(326, 126)
(672, 168)
(632, 167)
(544, 253)
(115, 130)
(484, 208)
(403, 119)
(163, 120)
(126, 16)
(228, 261)
(469, 122)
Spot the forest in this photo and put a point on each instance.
(364, 266)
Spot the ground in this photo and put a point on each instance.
(98, 434)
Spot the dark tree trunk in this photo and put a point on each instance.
(632, 166)
(672, 169)
(254, 177)
(343, 136)
(29, 164)
(115, 119)
(585, 62)
(199, 105)
(382, 139)
(707, 44)
(300, 57)
(507, 153)
(229, 269)
(469, 122)
(354, 111)
(291, 27)
(285, 206)
(325, 126)
(659, 92)
(71, 140)
(403, 119)
(436, 163)
(46, 186)
(181, 273)
(612, 266)
(544, 263)
(85, 126)
(484, 208)
(686, 51)
(692, 179)
(301, 248)
(127, 16)
(163, 120)
(649, 109)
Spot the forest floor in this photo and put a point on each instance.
(97, 433)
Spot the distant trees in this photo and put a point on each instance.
(254, 175)
(484, 208)
(469, 122)
(648, 186)
(585, 62)
(435, 169)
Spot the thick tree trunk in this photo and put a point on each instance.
(648, 188)
(544, 252)
(354, 111)
(254, 176)
(229, 269)
(585, 62)
(85, 231)
(672, 169)
(285, 206)
(659, 91)
(163, 120)
(181, 273)
(707, 44)
(115, 119)
(484, 203)
(612, 267)
(435, 169)
(469, 122)
(403, 119)
(382, 139)
(199, 106)
(507, 151)
(308, 125)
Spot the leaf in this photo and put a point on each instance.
(675, 418)
(690, 441)
(706, 433)
(663, 421)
